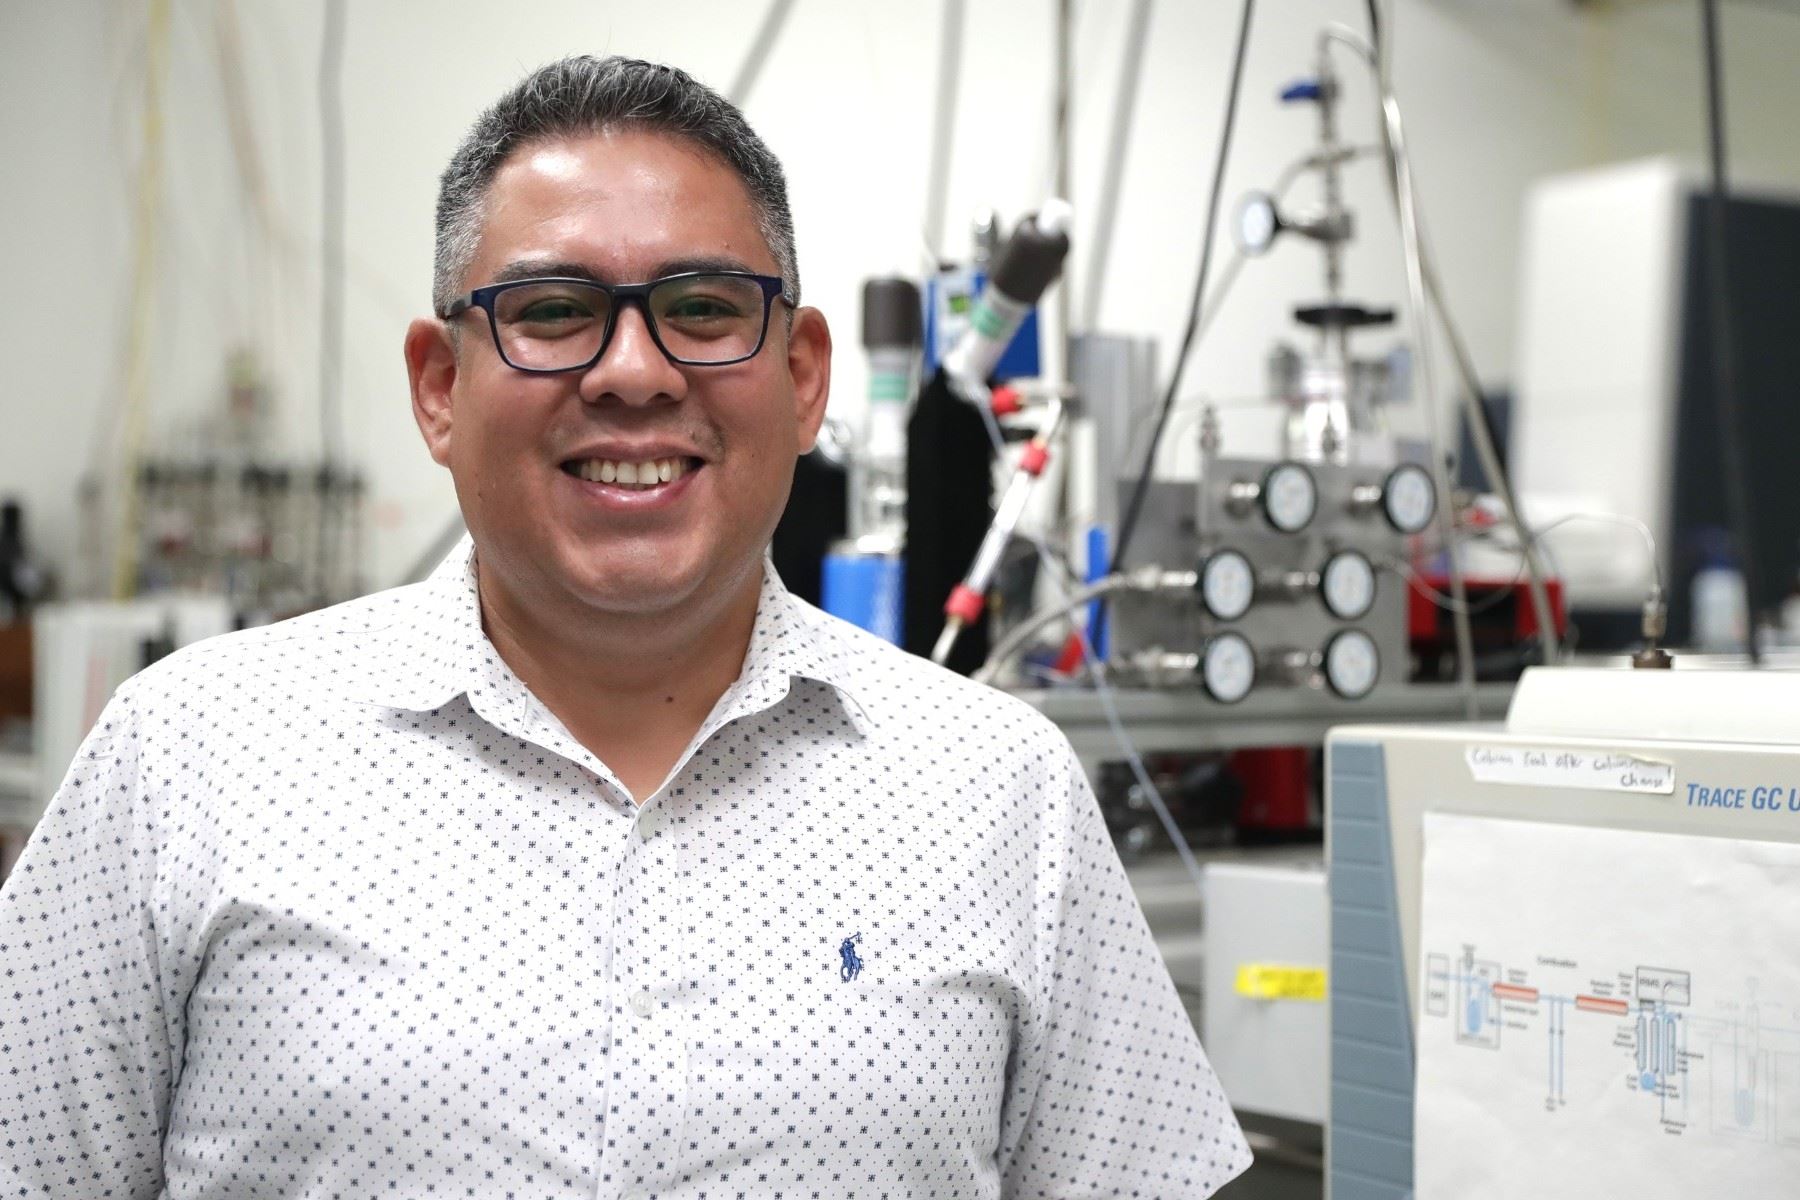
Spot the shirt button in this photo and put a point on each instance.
(649, 823)
(642, 1004)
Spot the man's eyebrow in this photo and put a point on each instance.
(720, 262)
(538, 268)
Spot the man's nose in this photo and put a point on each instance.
(632, 369)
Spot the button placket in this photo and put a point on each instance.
(647, 1098)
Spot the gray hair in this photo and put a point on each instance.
(582, 95)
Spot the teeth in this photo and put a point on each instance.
(632, 474)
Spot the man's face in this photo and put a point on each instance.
(620, 207)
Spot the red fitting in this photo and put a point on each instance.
(1005, 401)
(965, 604)
(1035, 458)
(1072, 654)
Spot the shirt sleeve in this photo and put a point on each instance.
(87, 1044)
(1116, 1095)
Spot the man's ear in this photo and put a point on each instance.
(809, 365)
(431, 368)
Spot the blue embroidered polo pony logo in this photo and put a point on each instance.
(852, 964)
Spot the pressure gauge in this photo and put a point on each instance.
(1227, 584)
(1347, 585)
(1289, 497)
(1227, 668)
(1258, 223)
(1352, 664)
(1408, 498)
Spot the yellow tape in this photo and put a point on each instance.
(1277, 981)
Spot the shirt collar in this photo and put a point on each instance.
(445, 653)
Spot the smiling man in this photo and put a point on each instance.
(597, 864)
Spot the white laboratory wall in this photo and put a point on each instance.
(1497, 92)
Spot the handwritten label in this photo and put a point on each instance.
(1598, 770)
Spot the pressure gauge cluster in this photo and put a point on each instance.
(1287, 584)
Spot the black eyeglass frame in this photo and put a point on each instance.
(619, 295)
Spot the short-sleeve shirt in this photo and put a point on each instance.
(338, 908)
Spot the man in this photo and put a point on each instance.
(596, 864)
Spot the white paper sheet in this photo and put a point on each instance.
(1606, 1014)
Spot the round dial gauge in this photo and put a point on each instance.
(1258, 222)
(1228, 668)
(1352, 664)
(1347, 585)
(1408, 498)
(1227, 585)
(1289, 497)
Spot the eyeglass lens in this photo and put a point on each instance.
(556, 325)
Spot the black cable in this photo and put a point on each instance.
(1724, 359)
(331, 283)
(1136, 505)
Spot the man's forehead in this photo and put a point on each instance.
(623, 205)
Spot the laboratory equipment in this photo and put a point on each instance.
(864, 574)
(1264, 959)
(1540, 978)
(1614, 411)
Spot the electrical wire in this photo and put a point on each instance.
(1476, 417)
(1103, 692)
(1423, 586)
(1438, 598)
(228, 42)
(1419, 318)
(1724, 351)
(1140, 489)
(143, 270)
(1062, 579)
(1141, 579)
(1023, 632)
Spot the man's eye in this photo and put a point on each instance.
(546, 312)
(701, 308)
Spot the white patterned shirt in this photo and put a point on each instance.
(337, 908)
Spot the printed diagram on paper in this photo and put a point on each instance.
(1715, 1073)
(1606, 1010)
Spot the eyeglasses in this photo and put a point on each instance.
(697, 319)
